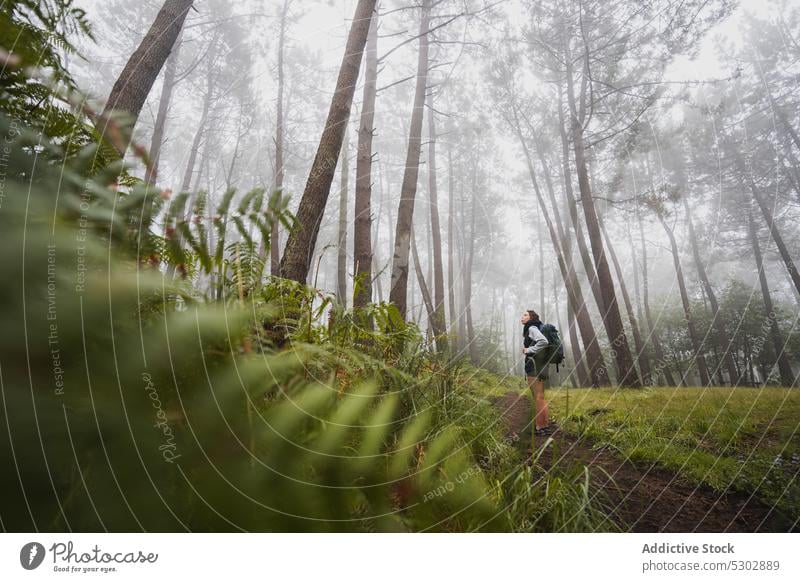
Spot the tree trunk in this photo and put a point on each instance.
(569, 195)
(719, 325)
(566, 250)
(186, 183)
(462, 262)
(429, 246)
(662, 365)
(390, 217)
(784, 369)
(296, 260)
(157, 140)
(134, 83)
(408, 191)
(438, 321)
(636, 286)
(641, 353)
(781, 114)
(769, 218)
(597, 368)
(626, 372)
(275, 234)
(341, 250)
(234, 157)
(201, 167)
(473, 354)
(375, 274)
(697, 347)
(198, 135)
(362, 223)
(451, 293)
(423, 286)
(578, 367)
(542, 303)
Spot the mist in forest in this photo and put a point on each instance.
(388, 266)
(628, 170)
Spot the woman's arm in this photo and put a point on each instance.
(539, 341)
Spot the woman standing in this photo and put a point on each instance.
(535, 350)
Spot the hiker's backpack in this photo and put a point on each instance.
(555, 349)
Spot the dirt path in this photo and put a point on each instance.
(643, 498)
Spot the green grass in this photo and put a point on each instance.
(741, 439)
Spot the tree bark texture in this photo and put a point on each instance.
(438, 322)
(341, 247)
(405, 212)
(299, 250)
(134, 83)
(362, 223)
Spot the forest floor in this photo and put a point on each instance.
(673, 460)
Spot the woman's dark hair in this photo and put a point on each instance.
(533, 315)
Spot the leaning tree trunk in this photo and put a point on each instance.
(641, 353)
(769, 217)
(423, 286)
(594, 357)
(438, 322)
(784, 369)
(595, 361)
(341, 250)
(569, 195)
(566, 250)
(572, 322)
(296, 260)
(362, 223)
(408, 191)
(697, 347)
(274, 249)
(134, 83)
(157, 140)
(719, 324)
(626, 372)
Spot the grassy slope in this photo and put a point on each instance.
(742, 439)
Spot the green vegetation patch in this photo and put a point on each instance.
(737, 439)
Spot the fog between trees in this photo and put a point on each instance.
(629, 170)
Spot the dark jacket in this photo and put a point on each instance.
(533, 339)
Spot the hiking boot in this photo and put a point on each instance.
(547, 430)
